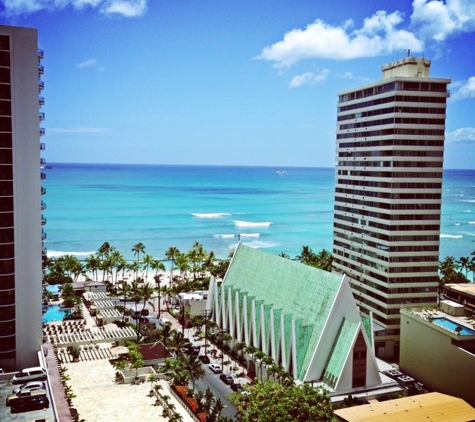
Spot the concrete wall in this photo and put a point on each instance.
(428, 355)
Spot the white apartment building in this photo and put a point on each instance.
(20, 198)
(390, 146)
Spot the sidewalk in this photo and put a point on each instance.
(62, 406)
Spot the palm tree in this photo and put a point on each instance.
(124, 290)
(147, 291)
(274, 370)
(324, 260)
(239, 347)
(117, 262)
(194, 368)
(176, 342)
(136, 296)
(268, 362)
(158, 266)
(284, 255)
(92, 263)
(306, 256)
(134, 267)
(171, 254)
(183, 264)
(464, 264)
(157, 278)
(146, 262)
(137, 249)
(259, 355)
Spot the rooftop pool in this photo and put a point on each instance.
(451, 325)
(54, 314)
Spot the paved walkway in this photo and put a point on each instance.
(62, 406)
(101, 399)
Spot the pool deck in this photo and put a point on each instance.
(431, 314)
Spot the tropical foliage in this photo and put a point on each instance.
(270, 402)
(322, 260)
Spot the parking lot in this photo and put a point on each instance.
(6, 388)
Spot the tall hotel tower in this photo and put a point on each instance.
(390, 145)
(20, 198)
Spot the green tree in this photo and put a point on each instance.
(194, 368)
(92, 264)
(124, 291)
(270, 402)
(171, 255)
(137, 249)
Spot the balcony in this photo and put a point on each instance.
(42, 131)
(43, 206)
(43, 190)
(40, 53)
(43, 176)
(44, 236)
(42, 146)
(43, 221)
(41, 69)
(41, 116)
(42, 161)
(41, 85)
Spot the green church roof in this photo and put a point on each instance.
(300, 292)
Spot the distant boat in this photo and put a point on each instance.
(281, 172)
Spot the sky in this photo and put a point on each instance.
(227, 82)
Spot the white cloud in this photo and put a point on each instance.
(378, 35)
(91, 63)
(464, 134)
(309, 78)
(126, 8)
(129, 9)
(87, 63)
(465, 90)
(438, 20)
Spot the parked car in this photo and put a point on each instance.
(164, 321)
(204, 358)
(237, 387)
(36, 373)
(23, 395)
(36, 401)
(227, 379)
(32, 385)
(194, 350)
(135, 314)
(215, 368)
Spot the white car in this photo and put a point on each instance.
(215, 368)
(36, 373)
(32, 385)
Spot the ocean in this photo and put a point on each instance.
(275, 209)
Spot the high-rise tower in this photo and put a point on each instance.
(390, 144)
(20, 197)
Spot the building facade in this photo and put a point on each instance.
(302, 317)
(20, 198)
(390, 144)
(438, 349)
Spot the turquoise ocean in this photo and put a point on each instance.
(275, 209)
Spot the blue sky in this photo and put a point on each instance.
(233, 82)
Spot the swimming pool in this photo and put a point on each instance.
(451, 325)
(54, 288)
(55, 314)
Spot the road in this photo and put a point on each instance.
(211, 380)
